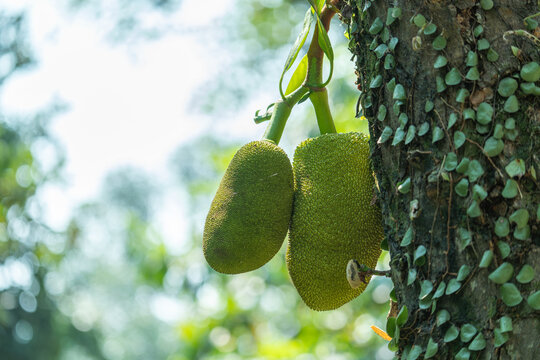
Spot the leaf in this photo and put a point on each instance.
(439, 43)
(436, 134)
(507, 87)
(376, 82)
(502, 274)
(510, 294)
(463, 354)
(520, 217)
(298, 76)
(423, 129)
(462, 187)
(440, 290)
(467, 332)
(459, 139)
(399, 93)
(415, 352)
(403, 316)
(431, 349)
(486, 259)
(442, 317)
(506, 324)
(534, 300)
(500, 337)
(526, 274)
(465, 239)
(502, 227)
(516, 168)
(385, 135)
(404, 187)
(451, 334)
(510, 190)
(411, 276)
(484, 113)
(493, 146)
(511, 105)
(472, 59)
(504, 249)
(453, 77)
(376, 26)
(463, 272)
(398, 137)
(419, 254)
(475, 170)
(381, 114)
(479, 193)
(425, 289)
(452, 287)
(326, 47)
(391, 326)
(410, 134)
(300, 40)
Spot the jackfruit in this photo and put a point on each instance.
(250, 214)
(333, 218)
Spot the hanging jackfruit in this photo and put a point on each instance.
(333, 218)
(250, 214)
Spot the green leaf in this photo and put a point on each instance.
(506, 324)
(486, 259)
(511, 104)
(459, 139)
(486, 4)
(463, 354)
(419, 20)
(381, 114)
(502, 274)
(452, 287)
(473, 74)
(530, 72)
(522, 233)
(483, 44)
(451, 334)
(484, 113)
(453, 77)
(479, 193)
(405, 186)
(380, 50)
(423, 129)
(526, 274)
(462, 187)
(376, 82)
(502, 227)
(415, 352)
(463, 272)
(498, 132)
(520, 217)
(516, 168)
(398, 137)
(464, 239)
(504, 249)
(390, 18)
(298, 77)
(407, 238)
(475, 170)
(478, 30)
(419, 254)
(469, 114)
(300, 40)
(534, 300)
(442, 317)
(431, 349)
(451, 120)
(437, 134)
(430, 29)
(440, 290)
(389, 62)
(385, 135)
(393, 43)
(429, 106)
(472, 59)
(439, 43)
(326, 47)
(479, 343)
(507, 87)
(403, 119)
(467, 333)
(510, 294)
(510, 124)
(500, 338)
(411, 276)
(376, 26)
(441, 86)
(493, 146)
(391, 326)
(450, 162)
(410, 134)
(463, 165)
(462, 95)
(492, 55)
(425, 289)
(403, 316)
(399, 93)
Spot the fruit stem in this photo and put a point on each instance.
(280, 114)
(314, 77)
(319, 99)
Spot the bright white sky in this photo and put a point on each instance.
(127, 104)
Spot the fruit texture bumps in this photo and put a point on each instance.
(333, 218)
(250, 214)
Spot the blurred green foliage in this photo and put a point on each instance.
(113, 285)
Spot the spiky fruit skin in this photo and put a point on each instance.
(333, 218)
(250, 214)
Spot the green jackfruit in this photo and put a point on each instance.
(333, 218)
(250, 214)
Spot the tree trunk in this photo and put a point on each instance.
(455, 139)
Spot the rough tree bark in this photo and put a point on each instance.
(456, 153)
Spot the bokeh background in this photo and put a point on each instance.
(117, 121)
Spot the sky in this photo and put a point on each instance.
(128, 104)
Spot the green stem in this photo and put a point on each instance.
(280, 115)
(319, 99)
